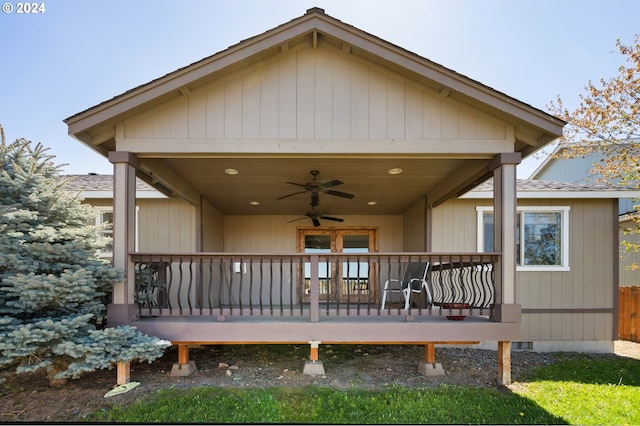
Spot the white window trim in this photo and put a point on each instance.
(563, 210)
(109, 209)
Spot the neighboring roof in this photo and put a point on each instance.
(529, 188)
(101, 186)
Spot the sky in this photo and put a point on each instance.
(76, 54)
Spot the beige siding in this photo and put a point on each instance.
(273, 234)
(166, 225)
(310, 93)
(588, 285)
(414, 228)
(212, 228)
(454, 226)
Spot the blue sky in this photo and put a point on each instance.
(79, 53)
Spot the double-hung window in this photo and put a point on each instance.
(542, 237)
(104, 215)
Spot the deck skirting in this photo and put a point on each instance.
(335, 331)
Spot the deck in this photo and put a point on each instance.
(296, 298)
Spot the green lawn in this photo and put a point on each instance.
(577, 390)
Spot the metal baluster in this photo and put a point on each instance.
(261, 282)
(209, 291)
(251, 286)
(241, 265)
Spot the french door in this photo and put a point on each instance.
(354, 279)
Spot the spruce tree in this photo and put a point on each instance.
(53, 288)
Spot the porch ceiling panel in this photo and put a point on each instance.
(264, 180)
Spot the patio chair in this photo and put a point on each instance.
(414, 279)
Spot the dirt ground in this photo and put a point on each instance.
(28, 398)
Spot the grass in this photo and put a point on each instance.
(577, 390)
(586, 391)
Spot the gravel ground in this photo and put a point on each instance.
(27, 398)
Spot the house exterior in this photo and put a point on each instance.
(579, 170)
(568, 303)
(308, 163)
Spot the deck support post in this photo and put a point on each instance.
(504, 363)
(313, 367)
(428, 366)
(183, 367)
(123, 370)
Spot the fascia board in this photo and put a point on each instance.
(557, 194)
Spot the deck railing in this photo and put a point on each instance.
(311, 285)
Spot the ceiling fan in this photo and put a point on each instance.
(315, 187)
(316, 216)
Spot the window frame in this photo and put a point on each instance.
(100, 211)
(564, 249)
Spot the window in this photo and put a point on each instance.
(105, 215)
(542, 237)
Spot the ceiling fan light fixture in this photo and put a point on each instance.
(254, 203)
(372, 203)
(395, 171)
(231, 171)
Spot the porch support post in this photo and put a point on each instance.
(183, 367)
(504, 363)
(504, 215)
(123, 375)
(428, 366)
(505, 203)
(313, 367)
(122, 309)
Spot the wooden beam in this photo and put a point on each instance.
(183, 354)
(314, 350)
(315, 39)
(430, 353)
(504, 363)
(123, 370)
(445, 92)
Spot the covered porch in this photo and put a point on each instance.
(387, 135)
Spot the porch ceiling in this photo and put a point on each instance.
(264, 180)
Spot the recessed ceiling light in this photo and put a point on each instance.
(395, 171)
(372, 203)
(231, 171)
(254, 203)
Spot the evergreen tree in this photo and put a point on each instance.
(53, 288)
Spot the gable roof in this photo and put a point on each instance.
(92, 126)
(529, 188)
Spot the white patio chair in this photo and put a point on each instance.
(414, 279)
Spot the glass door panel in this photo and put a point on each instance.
(340, 279)
(355, 274)
(316, 243)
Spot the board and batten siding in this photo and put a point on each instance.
(307, 93)
(565, 296)
(166, 225)
(275, 234)
(212, 228)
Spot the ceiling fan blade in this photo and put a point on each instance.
(290, 195)
(331, 183)
(335, 219)
(295, 220)
(339, 194)
(315, 221)
(297, 184)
